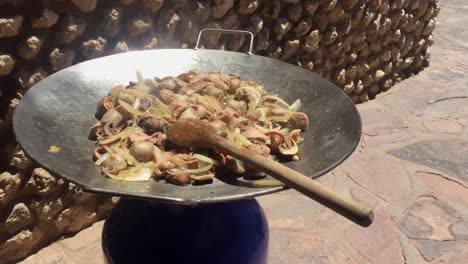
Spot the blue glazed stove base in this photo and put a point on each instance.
(140, 231)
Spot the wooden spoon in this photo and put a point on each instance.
(197, 133)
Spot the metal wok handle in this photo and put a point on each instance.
(231, 31)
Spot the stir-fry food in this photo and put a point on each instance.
(131, 136)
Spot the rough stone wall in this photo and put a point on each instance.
(364, 46)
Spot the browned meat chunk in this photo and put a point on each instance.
(299, 120)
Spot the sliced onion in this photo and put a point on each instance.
(136, 92)
(142, 87)
(283, 119)
(277, 99)
(296, 105)
(263, 114)
(158, 155)
(164, 109)
(252, 106)
(102, 159)
(157, 112)
(178, 162)
(133, 174)
(123, 134)
(241, 139)
(140, 78)
(252, 89)
(212, 102)
(198, 99)
(191, 171)
(206, 159)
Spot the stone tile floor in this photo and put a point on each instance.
(411, 167)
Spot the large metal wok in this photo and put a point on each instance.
(60, 109)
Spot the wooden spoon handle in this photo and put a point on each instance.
(347, 207)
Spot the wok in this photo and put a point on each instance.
(59, 110)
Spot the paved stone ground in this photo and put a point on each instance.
(411, 167)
